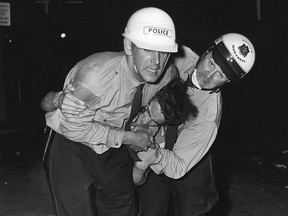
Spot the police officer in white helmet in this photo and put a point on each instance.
(183, 172)
(88, 166)
(235, 56)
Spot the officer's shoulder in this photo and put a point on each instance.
(101, 57)
(185, 54)
(89, 67)
(98, 60)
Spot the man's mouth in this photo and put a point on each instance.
(153, 69)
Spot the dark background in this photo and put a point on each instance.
(35, 59)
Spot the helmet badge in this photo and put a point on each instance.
(244, 50)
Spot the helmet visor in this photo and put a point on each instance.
(227, 63)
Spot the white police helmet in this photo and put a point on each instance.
(235, 54)
(152, 28)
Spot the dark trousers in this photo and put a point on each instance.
(89, 184)
(192, 195)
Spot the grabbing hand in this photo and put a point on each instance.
(148, 158)
(141, 168)
(138, 140)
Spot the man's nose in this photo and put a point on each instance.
(156, 57)
(211, 72)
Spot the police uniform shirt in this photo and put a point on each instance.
(195, 136)
(105, 83)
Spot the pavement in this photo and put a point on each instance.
(23, 185)
(253, 182)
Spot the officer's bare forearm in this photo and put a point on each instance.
(139, 175)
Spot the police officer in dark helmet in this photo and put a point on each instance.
(184, 173)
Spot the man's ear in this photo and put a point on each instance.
(127, 46)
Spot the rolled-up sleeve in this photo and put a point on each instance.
(83, 129)
(90, 132)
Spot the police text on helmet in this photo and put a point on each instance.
(157, 31)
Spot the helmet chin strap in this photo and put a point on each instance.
(194, 79)
(191, 83)
(137, 75)
(135, 69)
